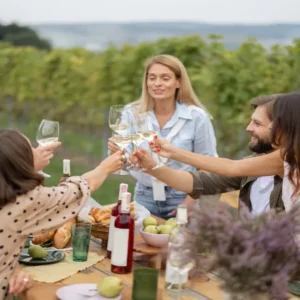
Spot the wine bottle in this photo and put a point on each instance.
(66, 168)
(114, 213)
(122, 251)
(176, 279)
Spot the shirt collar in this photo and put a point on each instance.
(181, 111)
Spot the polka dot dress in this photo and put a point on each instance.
(42, 209)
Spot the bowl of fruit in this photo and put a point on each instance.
(155, 234)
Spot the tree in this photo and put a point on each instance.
(22, 36)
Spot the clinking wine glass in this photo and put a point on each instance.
(119, 122)
(47, 133)
(118, 119)
(145, 130)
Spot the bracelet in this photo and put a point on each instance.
(157, 167)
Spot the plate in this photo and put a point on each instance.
(53, 257)
(72, 292)
(294, 287)
(29, 243)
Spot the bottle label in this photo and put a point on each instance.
(111, 233)
(173, 275)
(123, 189)
(125, 205)
(120, 247)
(181, 216)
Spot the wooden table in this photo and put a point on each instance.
(209, 290)
(195, 290)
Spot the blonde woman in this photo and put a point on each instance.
(178, 116)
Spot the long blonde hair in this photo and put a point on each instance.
(184, 94)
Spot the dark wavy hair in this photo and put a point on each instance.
(286, 133)
(17, 173)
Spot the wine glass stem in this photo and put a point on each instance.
(179, 295)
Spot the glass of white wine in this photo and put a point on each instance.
(118, 119)
(145, 130)
(47, 133)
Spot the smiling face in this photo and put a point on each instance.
(162, 82)
(259, 128)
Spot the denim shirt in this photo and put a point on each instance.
(196, 135)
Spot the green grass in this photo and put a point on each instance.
(106, 194)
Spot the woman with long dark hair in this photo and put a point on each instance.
(29, 208)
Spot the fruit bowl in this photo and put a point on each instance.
(155, 240)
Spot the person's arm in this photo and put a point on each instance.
(266, 165)
(96, 177)
(270, 164)
(205, 183)
(52, 207)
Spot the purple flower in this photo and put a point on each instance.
(251, 254)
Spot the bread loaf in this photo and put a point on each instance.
(63, 234)
(43, 238)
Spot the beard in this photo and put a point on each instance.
(260, 146)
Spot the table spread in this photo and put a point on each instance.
(196, 289)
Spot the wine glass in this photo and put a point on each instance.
(118, 120)
(144, 127)
(47, 133)
(178, 257)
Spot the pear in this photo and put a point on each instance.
(110, 287)
(36, 251)
(150, 229)
(149, 221)
(165, 229)
(158, 228)
(171, 222)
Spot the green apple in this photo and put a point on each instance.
(150, 229)
(171, 222)
(36, 251)
(149, 221)
(165, 229)
(110, 287)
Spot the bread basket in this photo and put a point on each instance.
(99, 230)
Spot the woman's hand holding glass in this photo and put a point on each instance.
(141, 157)
(113, 162)
(162, 147)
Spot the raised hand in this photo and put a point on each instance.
(142, 158)
(43, 154)
(161, 147)
(113, 162)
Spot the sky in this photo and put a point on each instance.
(211, 11)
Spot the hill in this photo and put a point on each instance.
(97, 36)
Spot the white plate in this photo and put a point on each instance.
(70, 292)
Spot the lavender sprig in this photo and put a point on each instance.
(251, 254)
